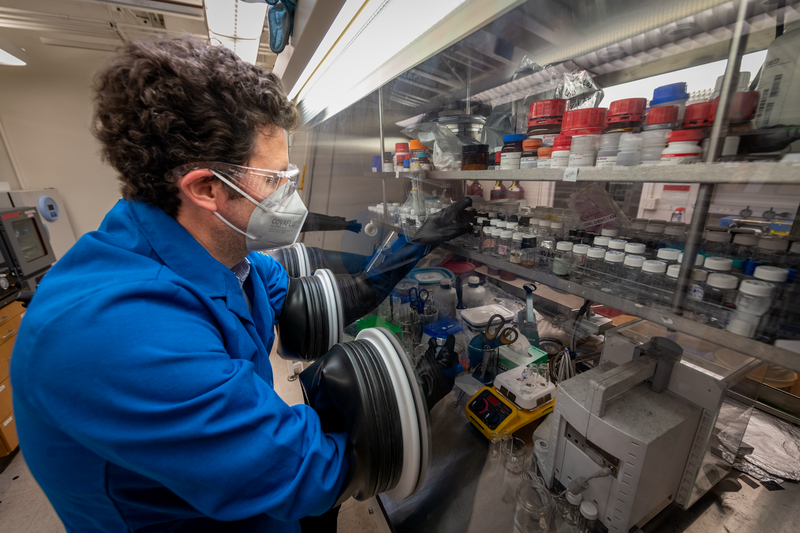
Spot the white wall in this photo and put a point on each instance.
(46, 109)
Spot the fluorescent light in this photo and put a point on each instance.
(236, 25)
(12, 55)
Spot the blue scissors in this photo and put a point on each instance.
(418, 298)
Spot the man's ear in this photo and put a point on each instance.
(200, 190)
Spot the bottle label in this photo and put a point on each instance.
(680, 159)
(606, 161)
(543, 163)
(559, 159)
(528, 162)
(502, 250)
(581, 160)
(510, 160)
(388, 167)
(696, 292)
(561, 266)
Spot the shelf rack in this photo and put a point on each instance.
(763, 172)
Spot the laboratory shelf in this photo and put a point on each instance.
(660, 316)
(694, 173)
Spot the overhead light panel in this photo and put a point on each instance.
(12, 55)
(236, 25)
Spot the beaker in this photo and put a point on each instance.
(494, 447)
(515, 455)
(534, 509)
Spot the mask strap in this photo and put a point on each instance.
(251, 237)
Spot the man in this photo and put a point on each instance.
(142, 384)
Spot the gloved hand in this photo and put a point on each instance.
(281, 23)
(354, 226)
(438, 371)
(445, 225)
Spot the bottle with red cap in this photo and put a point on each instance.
(625, 115)
(545, 120)
(560, 155)
(698, 117)
(400, 153)
(743, 112)
(683, 147)
(588, 121)
(662, 118)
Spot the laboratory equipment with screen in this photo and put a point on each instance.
(25, 246)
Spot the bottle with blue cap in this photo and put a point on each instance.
(512, 151)
(672, 94)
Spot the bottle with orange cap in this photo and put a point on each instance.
(530, 153)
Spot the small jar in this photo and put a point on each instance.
(557, 230)
(635, 231)
(653, 234)
(544, 119)
(612, 233)
(683, 148)
(632, 268)
(752, 302)
(626, 115)
(588, 521)
(668, 255)
(718, 265)
(613, 271)
(635, 248)
(562, 259)
(654, 274)
(488, 240)
(561, 152)
(572, 512)
(697, 286)
(545, 156)
(721, 290)
(601, 242)
(504, 244)
(401, 153)
(653, 144)
(744, 248)
(512, 151)
(630, 150)
(771, 251)
(474, 157)
(528, 241)
(527, 259)
(617, 244)
(609, 147)
(579, 252)
(530, 153)
(716, 243)
(593, 271)
(674, 236)
(698, 260)
(671, 283)
(516, 248)
(583, 150)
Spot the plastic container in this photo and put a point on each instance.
(613, 271)
(683, 148)
(698, 260)
(601, 242)
(718, 264)
(653, 234)
(512, 151)
(632, 273)
(530, 153)
(697, 285)
(617, 245)
(474, 157)
(752, 302)
(579, 252)
(721, 290)
(653, 280)
(716, 243)
(545, 118)
(593, 271)
(572, 510)
(674, 94)
(626, 115)
(630, 150)
(474, 319)
(779, 83)
(653, 144)
(401, 150)
(583, 151)
(744, 248)
(545, 156)
(770, 251)
(498, 192)
(635, 248)
(743, 111)
(668, 255)
(588, 121)
(562, 259)
(504, 244)
(474, 295)
(561, 152)
(516, 248)
(698, 116)
(588, 521)
(610, 232)
(609, 147)
(674, 236)
(662, 118)
(671, 283)
(635, 231)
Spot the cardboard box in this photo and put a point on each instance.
(5, 357)
(5, 396)
(8, 433)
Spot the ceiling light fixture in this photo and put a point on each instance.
(12, 55)
(236, 25)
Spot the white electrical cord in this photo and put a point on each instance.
(566, 367)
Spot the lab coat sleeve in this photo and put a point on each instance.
(274, 278)
(153, 389)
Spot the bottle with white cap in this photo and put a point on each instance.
(572, 510)
(557, 230)
(588, 519)
(668, 255)
(752, 302)
(653, 234)
(504, 244)
(635, 231)
(635, 248)
(516, 247)
(770, 251)
(583, 150)
(654, 274)
(632, 269)
(718, 265)
(744, 248)
(716, 243)
(601, 241)
(720, 298)
(781, 296)
(562, 259)
(474, 294)
(674, 236)
(546, 248)
(617, 244)
(592, 274)
(610, 232)
(671, 282)
(613, 271)
(653, 144)
(579, 252)
(609, 147)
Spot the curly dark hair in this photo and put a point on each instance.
(163, 103)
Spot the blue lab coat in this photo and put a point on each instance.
(144, 395)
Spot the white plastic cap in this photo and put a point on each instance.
(601, 241)
(722, 281)
(773, 244)
(506, 234)
(720, 264)
(771, 273)
(529, 236)
(656, 267)
(698, 261)
(617, 244)
(564, 246)
(544, 223)
(613, 256)
(795, 249)
(517, 236)
(635, 248)
(581, 249)
(589, 510)
(596, 253)
(609, 232)
(655, 228)
(501, 224)
(745, 239)
(718, 236)
(699, 274)
(557, 225)
(675, 230)
(668, 254)
(640, 223)
(574, 499)
(754, 287)
(673, 271)
(475, 280)
(494, 221)
(446, 282)
(634, 260)
(535, 221)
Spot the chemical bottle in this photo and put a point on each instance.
(515, 192)
(511, 153)
(588, 121)
(673, 94)
(527, 317)
(544, 120)
(683, 147)
(779, 83)
(444, 297)
(498, 191)
(662, 118)
(474, 293)
(625, 115)
(560, 153)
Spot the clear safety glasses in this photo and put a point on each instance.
(256, 183)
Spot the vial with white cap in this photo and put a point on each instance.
(630, 150)
(632, 268)
(593, 272)
(635, 231)
(668, 255)
(557, 230)
(635, 248)
(671, 282)
(601, 241)
(698, 260)
(474, 294)
(562, 258)
(588, 519)
(770, 251)
(744, 248)
(572, 512)
(752, 302)
(674, 236)
(718, 265)
(613, 270)
(716, 243)
(610, 232)
(781, 297)
(653, 233)
(720, 298)
(579, 252)
(654, 274)
(617, 244)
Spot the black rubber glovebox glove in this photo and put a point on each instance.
(438, 371)
(318, 222)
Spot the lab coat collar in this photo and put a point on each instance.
(182, 254)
